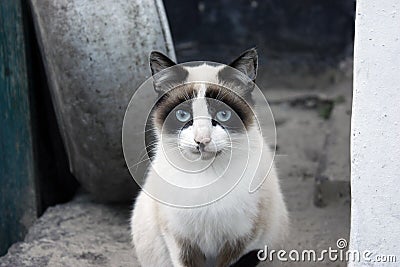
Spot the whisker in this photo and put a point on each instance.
(137, 163)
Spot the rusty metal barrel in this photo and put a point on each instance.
(95, 54)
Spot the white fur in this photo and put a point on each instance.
(201, 118)
(156, 226)
(203, 73)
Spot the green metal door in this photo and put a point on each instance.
(17, 187)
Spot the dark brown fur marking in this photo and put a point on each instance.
(239, 104)
(190, 254)
(170, 100)
(231, 251)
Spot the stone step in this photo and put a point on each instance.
(78, 233)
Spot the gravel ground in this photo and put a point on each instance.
(84, 233)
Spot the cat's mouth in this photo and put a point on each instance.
(205, 155)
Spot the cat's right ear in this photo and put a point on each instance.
(166, 73)
(159, 62)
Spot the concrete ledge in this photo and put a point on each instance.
(79, 233)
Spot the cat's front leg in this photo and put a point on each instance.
(183, 252)
(149, 245)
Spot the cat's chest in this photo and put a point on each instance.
(212, 225)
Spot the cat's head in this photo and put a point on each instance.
(204, 110)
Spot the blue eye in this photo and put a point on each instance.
(224, 115)
(182, 116)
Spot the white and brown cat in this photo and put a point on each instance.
(204, 116)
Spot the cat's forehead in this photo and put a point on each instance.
(191, 91)
(203, 73)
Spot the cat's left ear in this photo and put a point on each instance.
(241, 73)
(247, 63)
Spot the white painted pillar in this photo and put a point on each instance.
(375, 134)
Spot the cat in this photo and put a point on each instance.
(203, 122)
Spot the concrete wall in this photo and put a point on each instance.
(375, 147)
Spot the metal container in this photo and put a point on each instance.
(96, 54)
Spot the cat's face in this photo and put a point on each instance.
(203, 120)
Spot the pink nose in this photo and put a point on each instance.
(202, 140)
